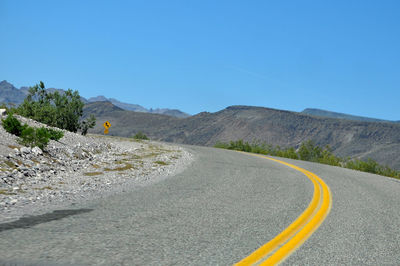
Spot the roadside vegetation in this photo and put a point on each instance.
(62, 110)
(140, 136)
(308, 151)
(30, 136)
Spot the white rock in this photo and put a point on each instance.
(25, 150)
(3, 112)
(13, 201)
(37, 151)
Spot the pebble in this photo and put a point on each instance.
(13, 201)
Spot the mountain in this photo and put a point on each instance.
(379, 141)
(139, 108)
(125, 106)
(324, 113)
(170, 112)
(10, 94)
(100, 109)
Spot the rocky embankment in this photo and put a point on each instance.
(77, 168)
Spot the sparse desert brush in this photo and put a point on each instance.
(308, 151)
(140, 136)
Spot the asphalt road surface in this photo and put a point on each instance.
(218, 211)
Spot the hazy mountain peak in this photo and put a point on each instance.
(5, 85)
(99, 98)
(10, 94)
(139, 108)
(4, 82)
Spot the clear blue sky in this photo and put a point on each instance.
(206, 55)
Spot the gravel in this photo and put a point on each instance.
(78, 168)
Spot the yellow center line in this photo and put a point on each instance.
(286, 242)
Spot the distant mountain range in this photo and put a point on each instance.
(139, 108)
(10, 94)
(353, 136)
(356, 139)
(324, 113)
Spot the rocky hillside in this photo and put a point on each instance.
(330, 114)
(380, 141)
(77, 167)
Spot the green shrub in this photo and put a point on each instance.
(30, 136)
(39, 137)
(12, 125)
(290, 153)
(369, 166)
(221, 145)
(35, 137)
(55, 134)
(308, 151)
(140, 135)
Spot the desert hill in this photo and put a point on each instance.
(325, 113)
(380, 141)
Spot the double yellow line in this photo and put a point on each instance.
(280, 247)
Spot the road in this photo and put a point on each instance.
(217, 212)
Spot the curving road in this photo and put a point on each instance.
(217, 212)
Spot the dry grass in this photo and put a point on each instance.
(96, 151)
(35, 161)
(123, 168)
(149, 155)
(13, 147)
(6, 192)
(121, 154)
(10, 164)
(43, 188)
(92, 173)
(161, 162)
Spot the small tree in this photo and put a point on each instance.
(62, 110)
(140, 135)
(69, 109)
(88, 123)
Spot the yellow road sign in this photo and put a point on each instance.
(106, 131)
(107, 125)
